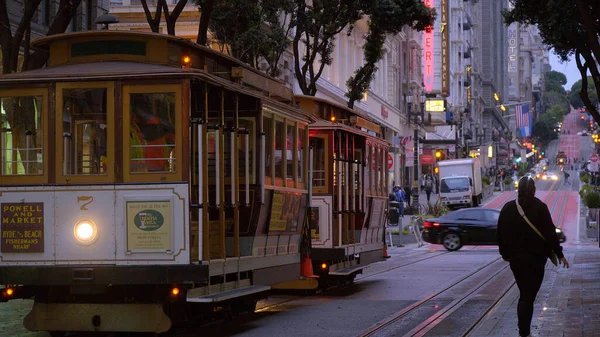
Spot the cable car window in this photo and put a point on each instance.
(300, 148)
(84, 131)
(152, 132)
(21, 135)
(268, 130)
(319, 161)
(290, 149)
(279, 146)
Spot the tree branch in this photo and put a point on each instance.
(66, 11)
(583, 68)
(30, 9)
(590, 28)
(153, 22)
(206, 7)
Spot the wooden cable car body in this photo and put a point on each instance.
(142, 173)
(350, 190)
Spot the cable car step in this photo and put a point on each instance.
(229, 294)
(349, 270)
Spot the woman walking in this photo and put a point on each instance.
(526, 238)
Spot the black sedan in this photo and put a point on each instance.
(471, 226)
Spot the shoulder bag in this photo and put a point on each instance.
(553, 256)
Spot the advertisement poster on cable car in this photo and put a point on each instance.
(148, 225)
(285, 210)
(22, 227)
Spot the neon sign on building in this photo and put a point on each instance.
(428, 65)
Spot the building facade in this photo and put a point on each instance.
(494, 53)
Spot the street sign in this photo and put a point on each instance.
(594, 158)
(390, 162)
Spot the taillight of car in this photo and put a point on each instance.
(428, 224)
(435, 224)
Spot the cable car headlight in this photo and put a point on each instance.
(85, 231)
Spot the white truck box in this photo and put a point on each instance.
(460, 182)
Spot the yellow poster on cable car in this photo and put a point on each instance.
(148, 225)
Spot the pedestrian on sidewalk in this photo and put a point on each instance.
(527, 249)
(428, 187)
(400, 198)
(408, 194)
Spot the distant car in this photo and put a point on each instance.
(469, 226)
(549, 176)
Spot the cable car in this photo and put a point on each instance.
(144, 176)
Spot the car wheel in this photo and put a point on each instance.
(451, 241)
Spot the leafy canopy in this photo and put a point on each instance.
(386, 17)
(571, 28)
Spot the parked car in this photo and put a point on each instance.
(469, 226)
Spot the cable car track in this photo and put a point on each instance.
(429, 301)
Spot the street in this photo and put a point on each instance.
(428, 291)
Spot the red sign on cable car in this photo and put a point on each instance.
(594, 158)
(390, 161)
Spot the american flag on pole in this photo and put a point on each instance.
(522, 115)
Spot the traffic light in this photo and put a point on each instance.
(540, 156)
(515, 166)
(437, 170)
(440, 155)
(543, 153)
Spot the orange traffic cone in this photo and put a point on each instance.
(306, 268)
(385, 254)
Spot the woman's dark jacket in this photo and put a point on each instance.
(515, 236)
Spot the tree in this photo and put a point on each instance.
(19, 111)
(554, 92)
(313, 42)
(254, 31)
(556, 77)
(543, 127)
(571, 27)
(170, 18)
(206, 8)
(385, 17)
(575, 98)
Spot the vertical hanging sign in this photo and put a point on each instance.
(513, 47)
(428, 64)
(445, 52)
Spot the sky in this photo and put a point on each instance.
(568, 68)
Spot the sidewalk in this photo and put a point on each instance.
(568, 303)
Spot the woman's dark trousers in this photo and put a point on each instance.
(528, 270)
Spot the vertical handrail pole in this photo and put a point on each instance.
(261, 166)
(247, 167)
(233, 167)
(200, 190)
(310, 174)
(217, 168)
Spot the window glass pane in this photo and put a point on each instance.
(268, 145)
(84, 132)
(318, 145)
(290, 142)
(152, 132)
(279, 144)
(300, 148)
(21, 135)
